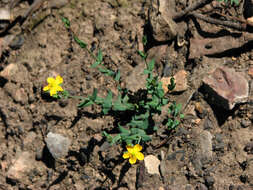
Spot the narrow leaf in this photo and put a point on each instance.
(80, 42)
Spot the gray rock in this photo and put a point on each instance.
(205, 145)
(17, 42)
(57, 145)
(249, 148)
(245, 123)
(226, 87)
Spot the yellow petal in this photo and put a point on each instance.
(46, 88)
(139, 156)
(58, 88)
(59, 79)
(53, 92)
(137, 148)
(50, 80)
(132, 160)
(130, 149)
(126, 155)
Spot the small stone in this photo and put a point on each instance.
(63, 102)
(17, 42)
(249, 148)
(57, 145)
(152, 164)
(204, 141)
(180, 80)
(6, 14)
(226, 87)
(245, 123)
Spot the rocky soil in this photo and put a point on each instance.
(51, 144)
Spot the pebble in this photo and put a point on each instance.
(245, 123)
(152, 164)
(57, 145)
(205, 143)
(249, 148)
(219, 145)
(17, 42)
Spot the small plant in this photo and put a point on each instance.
(140, 107)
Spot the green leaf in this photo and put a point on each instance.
(108, 137)
(169, 122)
(100, 56)
(142, 54)
(144, 40)
(106, 71)
(142, 116)
(80, 42)
(151, 65)
(99, 100)
(94, 65)
(172, 84)
(87, 102)
(115, 139)
(146, 71)
(94, 94)
(154, 103)
(107, 104)
(66, 22)
(177, 109)
(165, 101)
(145, 137)
(124, 130)
(175, 124)
(142, 124)
(117, 77)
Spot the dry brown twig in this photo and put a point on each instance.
(241, 26)
(191, 8)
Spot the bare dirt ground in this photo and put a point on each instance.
(211, 149)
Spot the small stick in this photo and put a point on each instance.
(237, 26)
(193, 7)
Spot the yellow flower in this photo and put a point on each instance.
(54, 85)
(133, 153)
